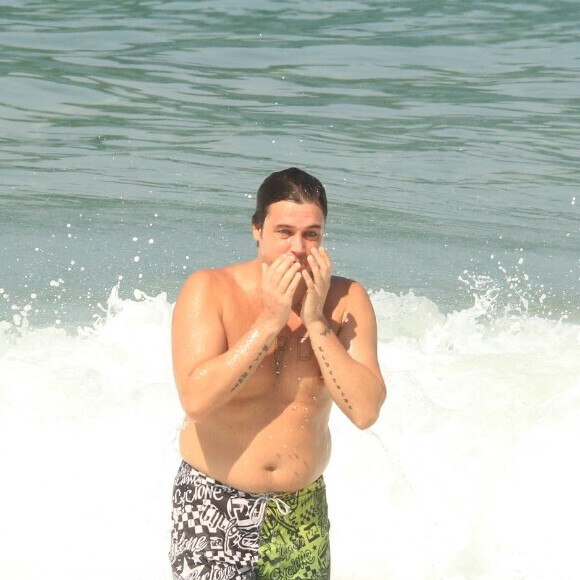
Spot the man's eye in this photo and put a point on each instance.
(284, 233)
(312, 235)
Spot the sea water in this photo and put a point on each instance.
(134, 135)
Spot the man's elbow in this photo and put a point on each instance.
(194, 407)
(366, 420)
(370, 416)
(193, 412)
(193, 396)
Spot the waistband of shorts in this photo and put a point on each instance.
(316, 485)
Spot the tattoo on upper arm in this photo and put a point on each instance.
(335, 382)
(246, 374)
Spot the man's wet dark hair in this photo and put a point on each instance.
(290, 184)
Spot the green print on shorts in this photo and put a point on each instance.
(295, 545)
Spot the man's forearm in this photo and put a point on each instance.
(215, 381)
(356, 389)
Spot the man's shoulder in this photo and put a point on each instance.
(208, 275)
(346, 286)
(346, 294)
(214, 281)
(200, 280)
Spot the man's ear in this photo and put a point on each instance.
(257, 233)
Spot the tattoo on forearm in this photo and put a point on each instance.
(341, 392)
(246, 373)
(326, 330)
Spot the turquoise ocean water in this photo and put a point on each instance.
(133, 136)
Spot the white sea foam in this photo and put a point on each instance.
(470, 472)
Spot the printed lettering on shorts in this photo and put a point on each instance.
(215, 529)
(223, 533)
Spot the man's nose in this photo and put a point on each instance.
(297, 244)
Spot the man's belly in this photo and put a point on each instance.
(260, 450)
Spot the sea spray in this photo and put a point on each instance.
(89, 424)
(471, 400)
(468, 473)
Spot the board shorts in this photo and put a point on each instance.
(222, 533)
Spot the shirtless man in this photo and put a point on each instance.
(261, 351)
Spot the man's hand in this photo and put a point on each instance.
(317, 285)
(279, 283)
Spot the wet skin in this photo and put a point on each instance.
(262, 349)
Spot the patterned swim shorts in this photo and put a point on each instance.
(221, 533)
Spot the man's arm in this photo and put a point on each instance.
(209, 372)
(348, 362)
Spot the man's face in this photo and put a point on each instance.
(290, 228)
